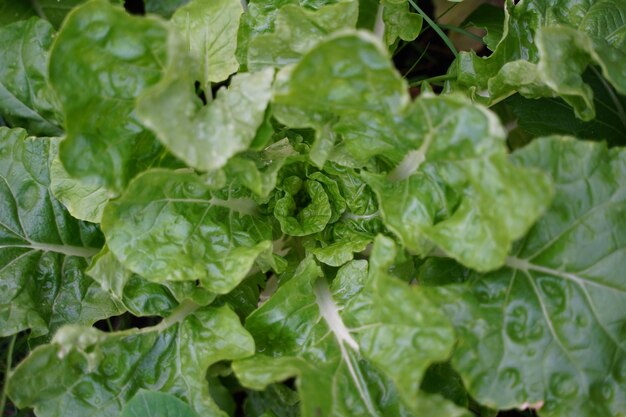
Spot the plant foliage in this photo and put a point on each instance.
(226, 209)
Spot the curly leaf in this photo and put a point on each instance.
(169, 226)
(545, 50)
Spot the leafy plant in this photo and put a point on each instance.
(219, 210)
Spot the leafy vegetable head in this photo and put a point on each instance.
(229, 209)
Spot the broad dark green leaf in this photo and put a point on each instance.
(87, 372)
(101, 61)
(547, 330)
(156, 404)
(170, 226)
(209, 29)
(43, 250)
(338, 342)
(26, 98)
(277, 399)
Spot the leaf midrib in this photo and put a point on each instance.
(67, 250)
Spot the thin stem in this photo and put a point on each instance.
(7, 370)
(436, 28)
(418, 60)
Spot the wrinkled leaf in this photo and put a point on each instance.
(138, 295)
(205, 137)
(83, 201)
(458, 191)
(102, 59)
(322, 337)
(43, 250)
(545, 50)
(169, 226)
(87, 372)
(544, 331)
(156, 404)
(296, 31)
(26, 98)
(209, 28)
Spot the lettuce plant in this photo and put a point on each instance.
(226, 209)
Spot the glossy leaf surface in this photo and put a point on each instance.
(543, 332)
(209, 29)
(322, 335)
(156, 404)
(191, 232)
(43, 250)
(26, 98)
(545, 50)
(205, 137)
(112, 57)
(86, 372)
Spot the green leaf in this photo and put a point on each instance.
(138, 295)
(210, 32)
(260, 19)
(258, 171)
(543, 54)
(296, 31)
(87, 372)
(357, 101)
(490, 18)
(205, 137)
(550, 116)
(543, 331)
(83, 201)
(443, 193)
(101, 61)
(277, 399)
(156, 404)
(297, 219)
(169, 226)
(400, 21)
(338, 341)
(26, 99)
(43, 250)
